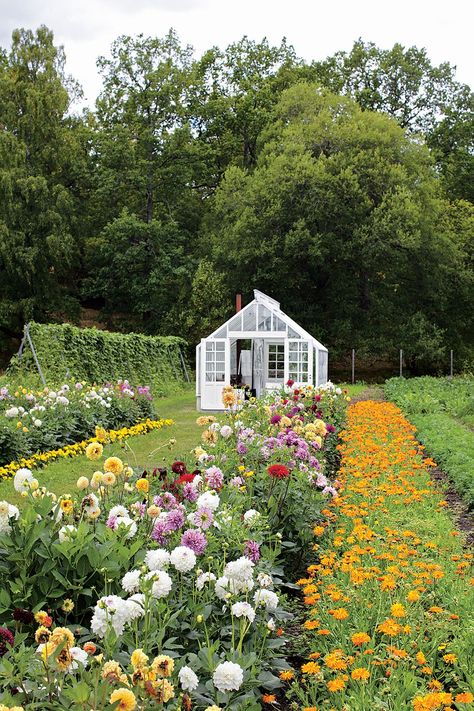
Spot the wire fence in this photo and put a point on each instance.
(360, 369)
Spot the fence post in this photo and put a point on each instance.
(451, 364)
(30, 341)
(401, 363)
(353, 366)
(183, 363)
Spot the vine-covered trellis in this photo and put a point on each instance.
(63, 351)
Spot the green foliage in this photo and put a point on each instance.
(442, 410)
(345, 193)
(99, 356)
(225, 172)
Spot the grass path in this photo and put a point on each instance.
(61, 476)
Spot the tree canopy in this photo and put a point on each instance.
(343, 187)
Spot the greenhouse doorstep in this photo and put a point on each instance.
(74, 450)
(390, 599)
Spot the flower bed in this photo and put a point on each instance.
(78, 448)
(42, 420)
(390, 597)
(167, 588)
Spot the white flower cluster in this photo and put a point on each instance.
(228, 676)
(116, 612)
(7, 513)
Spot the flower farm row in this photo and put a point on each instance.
(167, 588)
(171, 589)
(390, 599)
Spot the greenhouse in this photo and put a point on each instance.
(259, 348)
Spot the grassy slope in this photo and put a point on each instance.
(61, 476)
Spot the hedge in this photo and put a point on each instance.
(65, 351)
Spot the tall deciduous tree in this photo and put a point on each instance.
(38, 247)
(340, 219)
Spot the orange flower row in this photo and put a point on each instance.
(389, 599)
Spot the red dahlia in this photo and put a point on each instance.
(278, 471)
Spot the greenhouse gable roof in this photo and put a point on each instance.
(263, 315)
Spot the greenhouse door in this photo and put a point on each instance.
(300, 362)
(215, 372)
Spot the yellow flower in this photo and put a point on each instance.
(62, 634)
(450, 658)
(143, 485)
(109, 479)
(165, 690)
(114, 465)
(111, 668)
(66, 506)
(163, 665)
(101, 434)
(68, 605)
(42, 635)
(138, 659)
(126, 698)
(398, 610)
(94, 451)
(360, 674)
(82, 482)
(96, 479)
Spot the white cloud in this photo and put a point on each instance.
(316, 28)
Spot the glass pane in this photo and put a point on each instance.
(209, 357)
(220, 377)
(209, 346)
(220, 357)
(292, 333)
(278, 324)
(250, 318)
(236, 323)
(280, 373)
(210, 377)
(304, 346)
(272, 348)
(264, 318)
(221, 333)
(220, 346)
(271, 373)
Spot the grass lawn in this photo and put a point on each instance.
(61, 476)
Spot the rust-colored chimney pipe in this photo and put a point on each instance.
(238, 303)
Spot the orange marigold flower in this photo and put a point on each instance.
(360, 638)
(464, 698)
(287, 675)
(336, 684)
(389, 627)
(269, 698)
(450, 658)
(360, 674)
(420, 658)
(310, 668)
(311, 624)
(413, 596)
(398, 610)
(339, 613)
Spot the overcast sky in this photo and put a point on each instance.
(316, 28)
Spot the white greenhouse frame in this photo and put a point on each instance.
(280, 350)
